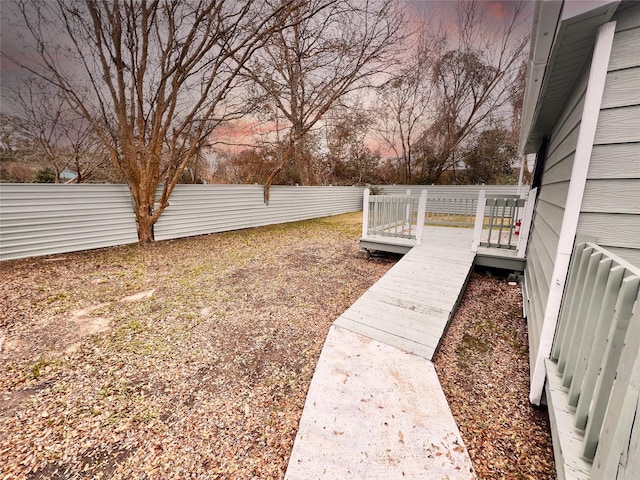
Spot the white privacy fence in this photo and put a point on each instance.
(456, 191)
(44, 219)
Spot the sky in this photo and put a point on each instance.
(439, 12)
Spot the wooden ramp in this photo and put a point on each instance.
(375, 408)
(410, 307)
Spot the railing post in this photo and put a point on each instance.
(477, 230)
(422, 208)
(525, 228)
(365, 212)
(409, 204)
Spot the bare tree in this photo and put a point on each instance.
(474, 81)
(14, 137)
(42, 113)
(59, 137)
(333, 48)
(153, 77)
(348, 159)
(405, 101)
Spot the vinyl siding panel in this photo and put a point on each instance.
(625, 48)
(610, 210)
(618, 125)
(561, 171)
(611, 230)
(631, 255)
(541, 258)
(614, 161)
(628, 17)
(564, 150)
(536, 286)
(555, 194)
(622, 88)
(612, 196)
(550, 216)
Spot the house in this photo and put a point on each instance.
(581, 118)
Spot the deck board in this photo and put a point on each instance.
(410, 307)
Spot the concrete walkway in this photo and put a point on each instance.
(375, 408)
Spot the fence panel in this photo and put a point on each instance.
(457, 191)
(44, 219)
(203, 209)
(457, 211)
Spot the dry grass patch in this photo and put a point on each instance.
(182, 359)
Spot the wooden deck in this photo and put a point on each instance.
(410, 307)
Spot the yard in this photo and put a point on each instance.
(187, 358)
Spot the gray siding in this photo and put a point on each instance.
(44, 219)
(610, 212)
(549, 212)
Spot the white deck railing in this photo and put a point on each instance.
(503, 223)
(594, 371)
(451, 211)
(394, 216)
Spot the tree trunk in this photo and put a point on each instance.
(145, 216)
(285, 158)
(145, 224)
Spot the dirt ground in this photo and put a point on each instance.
(483, 367)
(192, 358)
(182, 359)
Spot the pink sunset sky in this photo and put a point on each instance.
(436, 12)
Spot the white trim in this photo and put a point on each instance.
(582, 158)
(365, 212)
(477, 229)
(523, 165)
(422, 209)
(526, 223)
(546, 20)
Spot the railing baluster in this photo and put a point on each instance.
(567, 314)
(589, 327)
(599, 342)
(490, 219)
(617, 333)
(512, 210)
(597, 347)
(617, 427)
(504, 206)
(570, 351)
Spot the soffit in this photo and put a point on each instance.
(571, 50)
